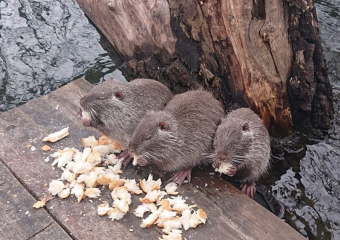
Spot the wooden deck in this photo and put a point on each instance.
(24, 178)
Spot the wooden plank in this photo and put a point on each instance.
(53, 231)
(231, 215)
(18, 219)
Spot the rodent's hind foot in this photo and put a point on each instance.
(127, 158)
(248, 188)
(180, 176)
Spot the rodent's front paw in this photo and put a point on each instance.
(231, 171)
(216, 164)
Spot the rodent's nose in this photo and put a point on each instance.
(221, 157)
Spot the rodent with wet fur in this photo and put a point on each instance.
(243, 141)
(115, 108)
(179, 137)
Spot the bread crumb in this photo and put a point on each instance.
(150, 184)
(103, 209)
(53, 137)
(46, 148)
(224, 167)
(171, 188)
(55, 187)
(39, 204)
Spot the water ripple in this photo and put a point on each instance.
(46, 44)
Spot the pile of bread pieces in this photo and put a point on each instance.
(86, 173)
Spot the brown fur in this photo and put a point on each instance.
(116, 107)
(248, 149)
(178, 137)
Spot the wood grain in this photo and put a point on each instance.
(18, 219)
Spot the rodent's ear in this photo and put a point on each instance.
(163, 126)
(119, 95)
(245, 127)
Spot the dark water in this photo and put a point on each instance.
(308, 182)
(46, 44)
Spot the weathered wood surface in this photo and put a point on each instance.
(18, 220)
(231, 214)
(263, 54)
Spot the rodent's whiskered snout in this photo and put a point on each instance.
(221, 156)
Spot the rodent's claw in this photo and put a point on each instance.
(126, 158)
(232, 171)
(179, 177)
(249, 189)
(216, 164)
(86, 122)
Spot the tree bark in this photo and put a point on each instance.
(264, 54)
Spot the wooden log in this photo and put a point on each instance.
(263, 54)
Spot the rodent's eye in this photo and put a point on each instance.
(245, 127)
(119, 95)
(148, 137)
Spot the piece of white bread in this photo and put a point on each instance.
(65, 157)
(89, 141)
(78, 191)
(82, 167)
(64, 193)
(171, 188)
(224, 167)
(115, 214)
(92, 192)
(174, 234)
(53, 137)
(94, 158)
(116, 168)
(151, 196)
(164, 216)
(151, 219)
(103, 208)
(143, 208)
(121, 193)
(55, 187)
(132, 186)
(171, 223)
(86, 153)
(150, 184)
(178, 204)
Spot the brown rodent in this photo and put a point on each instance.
(177, 138)
(242, 140)
(115, 108)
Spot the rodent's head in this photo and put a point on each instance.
(102, 104)
(233, 140)
(155, 138)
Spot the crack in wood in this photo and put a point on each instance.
(40, 231)
(35, 196)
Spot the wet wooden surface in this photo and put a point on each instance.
(25, 176)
